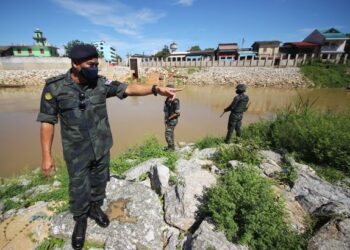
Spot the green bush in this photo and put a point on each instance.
(246, 152)
(244, 206)
(259, 133)
(150, 148)
(320, 138)
(326, 74)
(209, 142)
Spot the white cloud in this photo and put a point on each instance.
(185, 2)
(121, 17)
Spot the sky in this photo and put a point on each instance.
(145, 26)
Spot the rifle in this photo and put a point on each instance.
(222, 114)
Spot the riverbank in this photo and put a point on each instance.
(257, 77)
(154, 193)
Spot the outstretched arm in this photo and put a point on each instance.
(142, 90)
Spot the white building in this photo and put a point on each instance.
(107, 51)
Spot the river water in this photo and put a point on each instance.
(133, 118)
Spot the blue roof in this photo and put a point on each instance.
(332, 33)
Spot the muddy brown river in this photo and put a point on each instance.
(135, 117)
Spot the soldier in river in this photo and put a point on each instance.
(238, 106)
(171, 115)
(78, 98)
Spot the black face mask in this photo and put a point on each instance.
(90, 74)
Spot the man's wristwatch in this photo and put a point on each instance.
(154, 90)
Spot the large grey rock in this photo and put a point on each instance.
(270, 169)
(182, 199)
(296, 213)
(205, 238)
(144, 167)
(335, 235)
(136, 219)
(313, 193)
(203, 154)
(234, 164)
(159, 176)
(172, 236)
(269, 155)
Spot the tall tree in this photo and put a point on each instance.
(195, 48)
(70, 45)
(164, 53)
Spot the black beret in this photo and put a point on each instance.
(83, 51)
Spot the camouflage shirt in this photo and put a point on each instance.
(82, 113)
(239, 104)
(171, 107)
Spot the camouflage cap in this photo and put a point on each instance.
(241, 87)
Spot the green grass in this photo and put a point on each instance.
(50, 243)
(244, 206)
(326, 74)
(14, 188)
(150, 148)
(246, 152)
(209, 142)
(192, 70)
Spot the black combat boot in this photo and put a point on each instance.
(98, 215)
(78, 236)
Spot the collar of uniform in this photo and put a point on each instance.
(68, 79)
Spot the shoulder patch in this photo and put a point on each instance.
(54, 79)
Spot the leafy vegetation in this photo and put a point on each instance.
(16, 188)
(327, 74)
(50, 244)
(209, 142)
(150, 148)
(244, 206)
(247, 152)
(192, 70)
(314, 137)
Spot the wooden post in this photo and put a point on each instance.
(251, 61)
(259, 61)
(281, 59)
(288, 58)
(273, 60)
(328, 56)
(312, 57)
(245, 59)
(345, 59)
(265, 61)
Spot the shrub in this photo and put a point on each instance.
(246, 152)
(320, 138)
(209, 142)
(246, 209)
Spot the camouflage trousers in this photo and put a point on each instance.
(169, 135)
(87, 181)
(234, 123)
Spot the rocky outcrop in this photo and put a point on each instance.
(135, 172)
(136, 219)
(206, 238)
(319, 197)
(159, 176)
(182, 200)
(334, 235)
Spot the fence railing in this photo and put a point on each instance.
(281, 60)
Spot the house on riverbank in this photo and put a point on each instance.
(40, 49)
(265, 49)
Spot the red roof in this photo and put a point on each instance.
(302, 44)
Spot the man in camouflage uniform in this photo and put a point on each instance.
(237, 108)
(78, 98)
(171, 114)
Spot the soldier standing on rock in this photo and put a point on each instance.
(78, 98)
(238, 106)
(171, 115)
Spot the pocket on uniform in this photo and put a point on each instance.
(97, 99)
